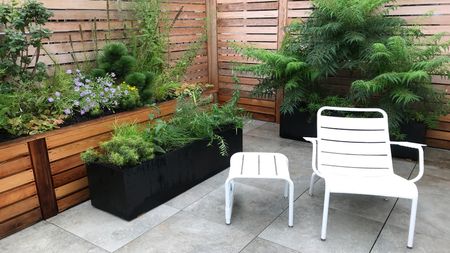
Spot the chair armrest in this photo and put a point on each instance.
(419, 147)
(314, 154)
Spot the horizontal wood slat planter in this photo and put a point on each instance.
(130, 191)
(43, 174)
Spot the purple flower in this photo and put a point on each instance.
(106, 89)
(88, 100)
(78, 71)
(82, 112)
(88, 81)
(78, 83)
(57, 94)
(77, 88)
(51, 100)
(101, 94)
(113, 90)
(76, 103)
(113, 75)
(69, 71)
(67, 111)
(126, 92)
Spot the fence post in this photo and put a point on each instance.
(282, 23)
(211, 10)
(43, 177)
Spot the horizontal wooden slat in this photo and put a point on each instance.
(73, 199)
(14, 166)
(18, 208)
(16, 180)
(20, 222)
(69, 176)
(69, 188)
(17, 194)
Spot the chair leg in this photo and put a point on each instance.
(286, 189)
(291, 203)
(311, 183)
(412, 222)
(228, 200)
(326, 203)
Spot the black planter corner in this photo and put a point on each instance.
(130, 192)
(297, 125)
(415, 132)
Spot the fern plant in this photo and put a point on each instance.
(401, 80)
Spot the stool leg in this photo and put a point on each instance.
(291, 203)
(228, 200)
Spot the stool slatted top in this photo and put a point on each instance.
(259, 165)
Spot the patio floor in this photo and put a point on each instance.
(194, 221)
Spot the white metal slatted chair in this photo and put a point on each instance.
(353, 156)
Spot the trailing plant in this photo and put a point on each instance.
(127, 147)
(21, 43)
(401, 80)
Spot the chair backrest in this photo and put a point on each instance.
(353, 144)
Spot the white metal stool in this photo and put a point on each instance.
(258, 165)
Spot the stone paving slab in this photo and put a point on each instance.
(48, 238)
(194, 221)
(185, 232)
(105, 230)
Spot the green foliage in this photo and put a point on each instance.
(23, 27)
(115, 58)
(150, 46)
(127, 147)
(26, 111)
(358, 38)
(400, 80)
(192, 121)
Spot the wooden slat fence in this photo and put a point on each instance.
(261, 22)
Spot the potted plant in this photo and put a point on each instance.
(138, 170)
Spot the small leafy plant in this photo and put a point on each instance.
(21, 43)
(127, 147)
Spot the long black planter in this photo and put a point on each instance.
(297, 125)
(129, 192)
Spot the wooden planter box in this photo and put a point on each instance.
(129, 192)
(43, 174)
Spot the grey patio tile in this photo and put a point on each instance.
(106, 230)
(190, 196)
(218, 180)
(346, 232)
(268, 130)
(371, 207)
(252, 124)
(46, 237)
(437, 157)
(253, 208)
(259, 144)
(394, 239)
(260, 245)
(185, 232)
(433, 206)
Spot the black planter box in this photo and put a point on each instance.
(297, 125)
(415, 132)
(129, 192)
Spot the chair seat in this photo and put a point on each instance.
(384, 185)
(259, 165)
